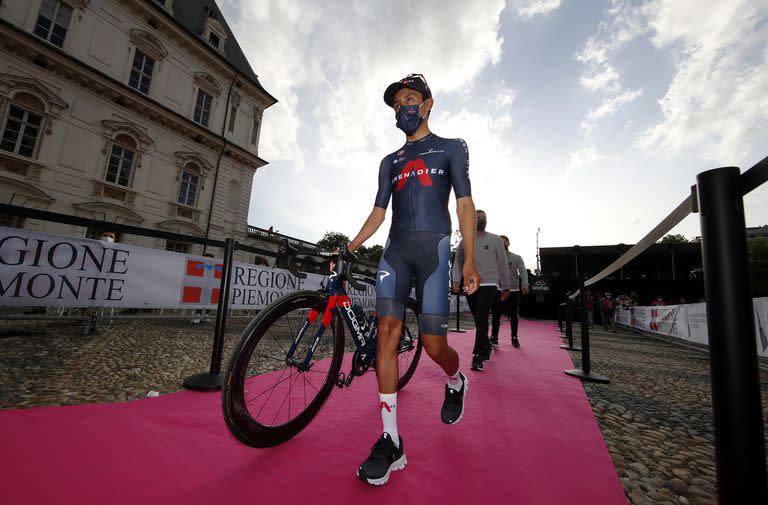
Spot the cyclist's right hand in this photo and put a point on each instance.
(471, 278)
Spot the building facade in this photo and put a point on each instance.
(141, 112)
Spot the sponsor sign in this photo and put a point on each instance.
(40, 269)
(539, 285)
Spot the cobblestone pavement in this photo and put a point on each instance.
(655, 414)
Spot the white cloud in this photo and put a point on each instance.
(601, 77)
(625, 21)
(505, 96)
(609, 107)
(717, 100)
(584, 157)
(329, 65)
(526, 9)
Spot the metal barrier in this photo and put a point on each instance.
(736, 401)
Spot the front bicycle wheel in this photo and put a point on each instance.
(409, 350)
(268, 398)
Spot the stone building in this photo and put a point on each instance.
(142, 112)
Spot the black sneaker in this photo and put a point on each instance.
(494, 342)
(453, 406)
(515, 342)
(477, 363)
(385, 457)
(486, 356)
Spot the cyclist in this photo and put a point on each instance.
(418, 178)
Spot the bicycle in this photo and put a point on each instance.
(291, 336)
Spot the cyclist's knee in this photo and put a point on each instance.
(434, 345)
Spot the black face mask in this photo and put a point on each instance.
(481, 224)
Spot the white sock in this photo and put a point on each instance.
(454, 381)
(388, 406)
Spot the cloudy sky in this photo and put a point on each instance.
(588, 119)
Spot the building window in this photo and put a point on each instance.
(53, 21)
(141, 71)
(203, 107)
(176, 246)
(121, 161)
(21, 131)
(214, 40)
(255, 131)
(188, 188)
(232, 116)
(11, 221)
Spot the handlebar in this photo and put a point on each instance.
(290, 251)
(345, 259)
(349, 258)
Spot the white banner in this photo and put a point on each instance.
(669, 320)
(689, 322)
(697, 323)
(38, 269)
(761, 325)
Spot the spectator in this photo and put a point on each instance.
(491, 261)
(606, 311)
(519, 278)
(590, 308)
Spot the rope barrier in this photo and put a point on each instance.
(673, 219)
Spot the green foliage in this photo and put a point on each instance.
(757, 247)
(673, 239)
(331, 240)
(370, 254)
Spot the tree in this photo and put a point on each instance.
(757, 248)
(674, 239)
(331, 240)
(371, 254)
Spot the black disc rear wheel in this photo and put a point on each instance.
(267, 400)
(409, 350)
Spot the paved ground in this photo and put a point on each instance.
(655, 414)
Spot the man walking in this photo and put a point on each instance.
(519, 279)
(491, 262)
(418, 178)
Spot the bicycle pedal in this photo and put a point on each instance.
(350, 377)
(341, 380)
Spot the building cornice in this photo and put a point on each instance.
(23, 44)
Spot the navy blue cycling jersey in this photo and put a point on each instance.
(419, 178)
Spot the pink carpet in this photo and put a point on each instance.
(528, 437)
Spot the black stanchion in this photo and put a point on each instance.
(214, 379)
(458, 315)
(569, 328)
(737, 412)
(585, 373)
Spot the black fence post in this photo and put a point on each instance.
(736, 407)
(458, 314)
(214, 379)
(569, 327)
(585, 373)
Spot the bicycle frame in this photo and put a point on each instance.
(339, 301)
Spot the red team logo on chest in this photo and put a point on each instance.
(414, 168)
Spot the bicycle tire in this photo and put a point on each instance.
(410, 325)
(237, 416)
